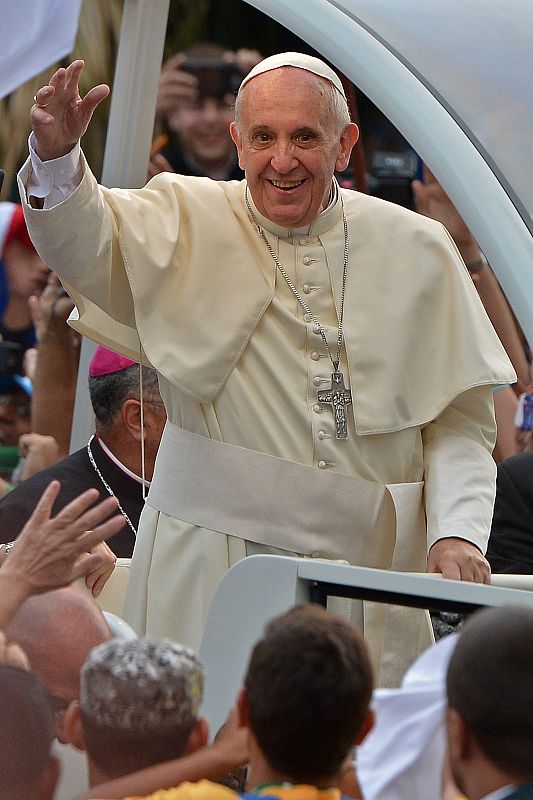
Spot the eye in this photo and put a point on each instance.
(261, 137)
(305, 137)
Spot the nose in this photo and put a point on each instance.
(210, 110)
(283, 159)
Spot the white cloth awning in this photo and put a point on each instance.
(34, 34)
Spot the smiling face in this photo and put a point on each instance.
(289, 144)
(203, 129)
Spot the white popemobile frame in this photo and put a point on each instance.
(260, 587)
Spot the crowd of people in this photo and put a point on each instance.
(228, 377)
(299, 725)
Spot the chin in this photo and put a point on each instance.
(286, 217)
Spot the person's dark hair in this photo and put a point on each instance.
(309, 684)
(26, 731)
(109, 392)
(117, 752)
(490, 684)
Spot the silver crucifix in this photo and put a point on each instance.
(338, 397)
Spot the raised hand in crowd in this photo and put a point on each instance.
(60, 116)
(38, 452)
(245, 59)
(56, 370)
(432, 201)
(51, 309)
(51, 552)
(176, 86)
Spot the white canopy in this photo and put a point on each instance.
(34, 34)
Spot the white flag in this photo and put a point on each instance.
(33, 35)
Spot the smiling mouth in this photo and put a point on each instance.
(286, 184)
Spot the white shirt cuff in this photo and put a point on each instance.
(54, 180)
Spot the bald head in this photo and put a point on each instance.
(490, 686)
(58, 630)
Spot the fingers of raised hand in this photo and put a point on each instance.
(43, 96)
(72, 512)
(174, 62)
(71, 76)
(93, 98)
(43, 509)
(89, 518)
(98, 533)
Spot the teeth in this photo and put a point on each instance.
(286, 184)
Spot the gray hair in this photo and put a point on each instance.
(141, 684)
(109, 392)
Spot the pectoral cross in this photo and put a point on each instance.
(338, 397)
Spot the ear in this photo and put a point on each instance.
(47, 783)
(238, 141)
(131, 417)
(243, 709)
(459, 744)
(348, 138)
(198, 737)
(72, 726)
(366, 727)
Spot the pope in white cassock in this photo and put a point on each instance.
(324, 358)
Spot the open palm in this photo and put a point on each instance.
(60, 116)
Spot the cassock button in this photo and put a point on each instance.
(316, 329)
(322, 465)
(307, 260)
(317, 409)
(306, 288)
(322, 435)
(316, 554)
(317, 381)
(315, 356)
(308, 317)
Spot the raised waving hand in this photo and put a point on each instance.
(60, 116)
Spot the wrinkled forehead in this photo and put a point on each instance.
(286, 88)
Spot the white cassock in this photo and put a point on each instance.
(177, 274)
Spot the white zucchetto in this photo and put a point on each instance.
(300, 61)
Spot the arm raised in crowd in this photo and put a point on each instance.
(51, 552)
(432, 201)
(56, 369)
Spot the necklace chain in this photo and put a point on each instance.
(107, 486)
(319, 328)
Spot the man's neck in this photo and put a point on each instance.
(490, 782)
(260, 773)
(96, 775)
(126, 457)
